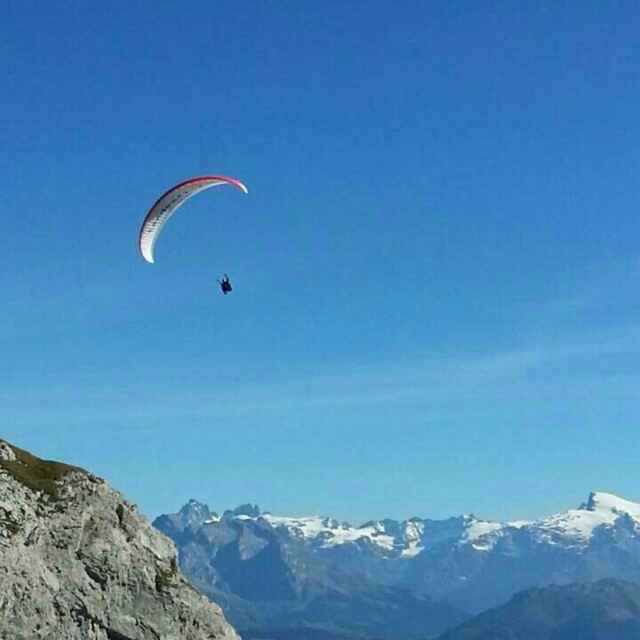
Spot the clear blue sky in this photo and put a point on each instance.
(436, 272)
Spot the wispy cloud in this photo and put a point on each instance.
(582, 354)
(447, 379)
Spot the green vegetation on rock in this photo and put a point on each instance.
(35, 473)
(120, 513)
(164, 578)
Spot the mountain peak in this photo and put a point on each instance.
(251, 510)
(194, 513)
(602, 501)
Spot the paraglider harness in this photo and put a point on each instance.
(225, 285)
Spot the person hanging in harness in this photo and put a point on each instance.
(225, 285)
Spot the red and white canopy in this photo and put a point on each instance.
(166, 205)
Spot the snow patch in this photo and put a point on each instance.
(579, 524)
(414, 530)
(481, 534)
(332, 532)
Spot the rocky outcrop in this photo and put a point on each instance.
(77, 561)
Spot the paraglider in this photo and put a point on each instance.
(225, 285)
(166, 205)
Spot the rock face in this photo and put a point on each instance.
(78, 562)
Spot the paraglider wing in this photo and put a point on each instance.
(167, 203)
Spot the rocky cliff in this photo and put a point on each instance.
(78, 562)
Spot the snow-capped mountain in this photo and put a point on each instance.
(247, 558)
(573, 528)
(409, 538)
(599, 539)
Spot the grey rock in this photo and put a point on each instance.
(6, 452)
(77, 561)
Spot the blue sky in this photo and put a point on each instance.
(436, 272)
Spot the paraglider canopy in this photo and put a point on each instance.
(166, 205)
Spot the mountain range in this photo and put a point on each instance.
(78, 561)
(387, 577)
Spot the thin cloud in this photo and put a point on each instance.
(443, 381)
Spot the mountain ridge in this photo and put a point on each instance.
(600, 508)
(604, 610)
(456, 565)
